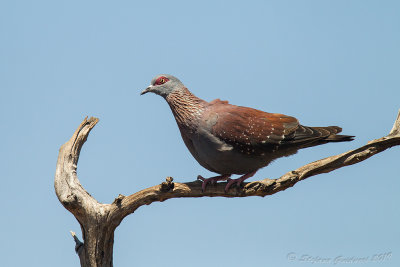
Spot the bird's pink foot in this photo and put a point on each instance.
(239, 180)
(212, 180)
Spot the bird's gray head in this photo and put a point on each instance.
(163, 85)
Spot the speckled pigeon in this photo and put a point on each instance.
(228, 139)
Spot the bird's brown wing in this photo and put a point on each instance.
(244, 126)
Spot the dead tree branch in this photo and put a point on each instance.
(98, 221)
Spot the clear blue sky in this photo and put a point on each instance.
(325, 62)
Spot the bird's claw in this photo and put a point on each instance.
(238, 181)
(211, 180)
(231, 182)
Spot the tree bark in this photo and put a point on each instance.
(98, 221)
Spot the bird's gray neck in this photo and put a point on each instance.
(186, 107)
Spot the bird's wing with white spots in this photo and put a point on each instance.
(242, 126)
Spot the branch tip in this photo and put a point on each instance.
(396, 126)
(78, 243)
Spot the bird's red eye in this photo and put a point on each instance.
(161, 80)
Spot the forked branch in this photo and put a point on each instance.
(98, 221)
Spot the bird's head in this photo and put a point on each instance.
(163, 85)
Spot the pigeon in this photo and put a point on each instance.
(229, 139)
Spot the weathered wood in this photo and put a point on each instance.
(98, 221)
(98, 233)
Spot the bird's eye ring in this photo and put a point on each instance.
(161, 80)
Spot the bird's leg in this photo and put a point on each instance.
(212, 180)
(239, 180)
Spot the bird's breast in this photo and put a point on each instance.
(217, 156)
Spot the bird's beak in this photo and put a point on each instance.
(148, 89)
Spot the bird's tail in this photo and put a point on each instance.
(330, 134)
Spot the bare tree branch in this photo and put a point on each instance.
(98, 234)
(98, 221)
